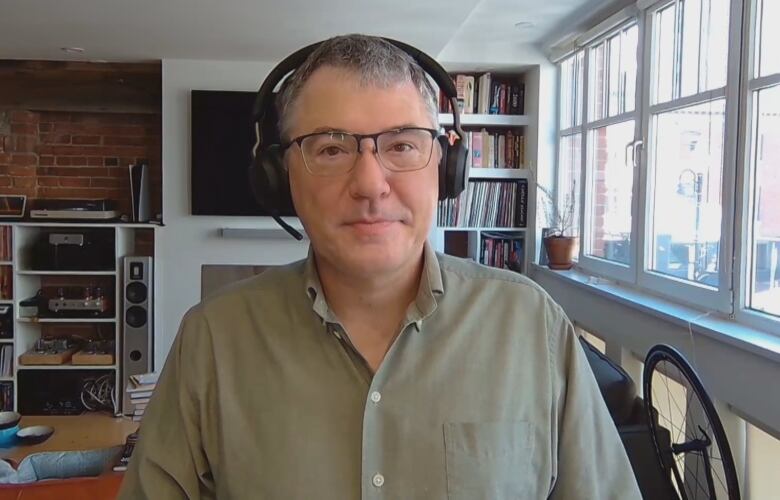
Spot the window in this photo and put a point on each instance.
(570, 140)
(686, 205)
(609, 133)
(764, 158)
(687, 121)
(678, 170)
(609, 191)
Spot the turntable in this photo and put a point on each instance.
(95, 210)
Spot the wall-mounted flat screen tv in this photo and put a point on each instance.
(222, 136)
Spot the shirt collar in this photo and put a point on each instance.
(425, 303)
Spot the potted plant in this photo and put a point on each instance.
(560, 245)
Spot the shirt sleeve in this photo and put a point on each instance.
(592, 462)
(169, 460)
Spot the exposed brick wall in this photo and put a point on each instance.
(73, 155)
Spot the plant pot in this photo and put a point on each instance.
(560, 251)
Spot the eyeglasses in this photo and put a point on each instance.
(335, 153)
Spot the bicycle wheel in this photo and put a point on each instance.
(698, 456)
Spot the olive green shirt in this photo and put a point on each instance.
(484, 394)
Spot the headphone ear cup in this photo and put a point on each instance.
(445, 146)
(270, 182)
(457, 169)
(453, 173)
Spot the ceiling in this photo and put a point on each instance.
(262, 30)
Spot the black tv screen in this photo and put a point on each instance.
(222, 137)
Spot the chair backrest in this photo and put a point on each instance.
(616, 386)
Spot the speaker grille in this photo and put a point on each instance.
(135, 316)
(136, 292)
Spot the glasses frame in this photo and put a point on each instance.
(359, 138)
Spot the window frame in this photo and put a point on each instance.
(720, 299)
(732, 297)
(596, 265)
(749, 87)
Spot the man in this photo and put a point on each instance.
(375, 368)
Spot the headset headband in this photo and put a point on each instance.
(265, 94)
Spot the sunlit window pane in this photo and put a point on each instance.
(579, 67)
(715, 44)
(569, 165)
(597, 82)
(768, 37)
(691, 48)
(614, 88)
(664, 58)
(571, 91)
(628, 68)
(691, 33)
(613, 73)
(765, 289)
(567, 92)
(610, 184)
(687, 171)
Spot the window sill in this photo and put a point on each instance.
(710, 324)
(739, 364)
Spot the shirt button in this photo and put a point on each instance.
(376, 397)
(378, 480)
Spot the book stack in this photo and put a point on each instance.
(487, 204)
(5, 243)
(6, 281)
(502, 250)
(486, 94)
(7, 360)
(140, 389)
(6, 396)
(499, 150)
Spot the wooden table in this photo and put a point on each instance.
(74, 433)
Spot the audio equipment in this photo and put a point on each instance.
(99, 210)
(85, 302)
(139, 192)
(58, 392)
(49, 352)
(137, 339)
(267, 174)
(69, 250)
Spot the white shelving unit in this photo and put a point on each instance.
(467, 241)
(27, 281)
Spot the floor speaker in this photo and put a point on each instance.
(138, 337)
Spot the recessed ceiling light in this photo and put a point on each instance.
(72, 50)
(524, 25)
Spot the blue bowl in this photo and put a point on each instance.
(8, 436)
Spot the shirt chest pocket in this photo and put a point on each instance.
(489, 460)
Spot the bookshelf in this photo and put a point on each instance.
(20, 330)
(489, 222)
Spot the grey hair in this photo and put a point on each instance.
(376, 61)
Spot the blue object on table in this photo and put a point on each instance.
(8, 436)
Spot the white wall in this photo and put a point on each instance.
(187, 242)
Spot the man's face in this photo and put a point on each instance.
(370, 220)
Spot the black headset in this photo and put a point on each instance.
(267, 173)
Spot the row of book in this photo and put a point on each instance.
(5, 243)
(6, 396)
(486, 94)
(140, 389)
(487, 204)
(6, 283)
(488, 150)
(502, 250)
(6, 360)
